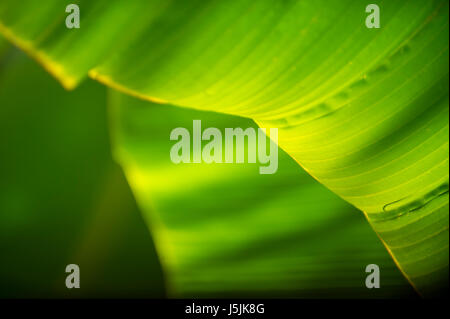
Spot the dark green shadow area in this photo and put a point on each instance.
(62, 198)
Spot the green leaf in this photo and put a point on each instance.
(225, 230)
(3, 46)
(364, 111)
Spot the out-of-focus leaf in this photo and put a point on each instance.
(3, 45)
(365, 111)
(225, 230)
(62, 198)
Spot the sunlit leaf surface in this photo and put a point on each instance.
(225, 230)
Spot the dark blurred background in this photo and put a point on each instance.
(62, 198)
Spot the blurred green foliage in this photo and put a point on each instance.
(62, 198)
